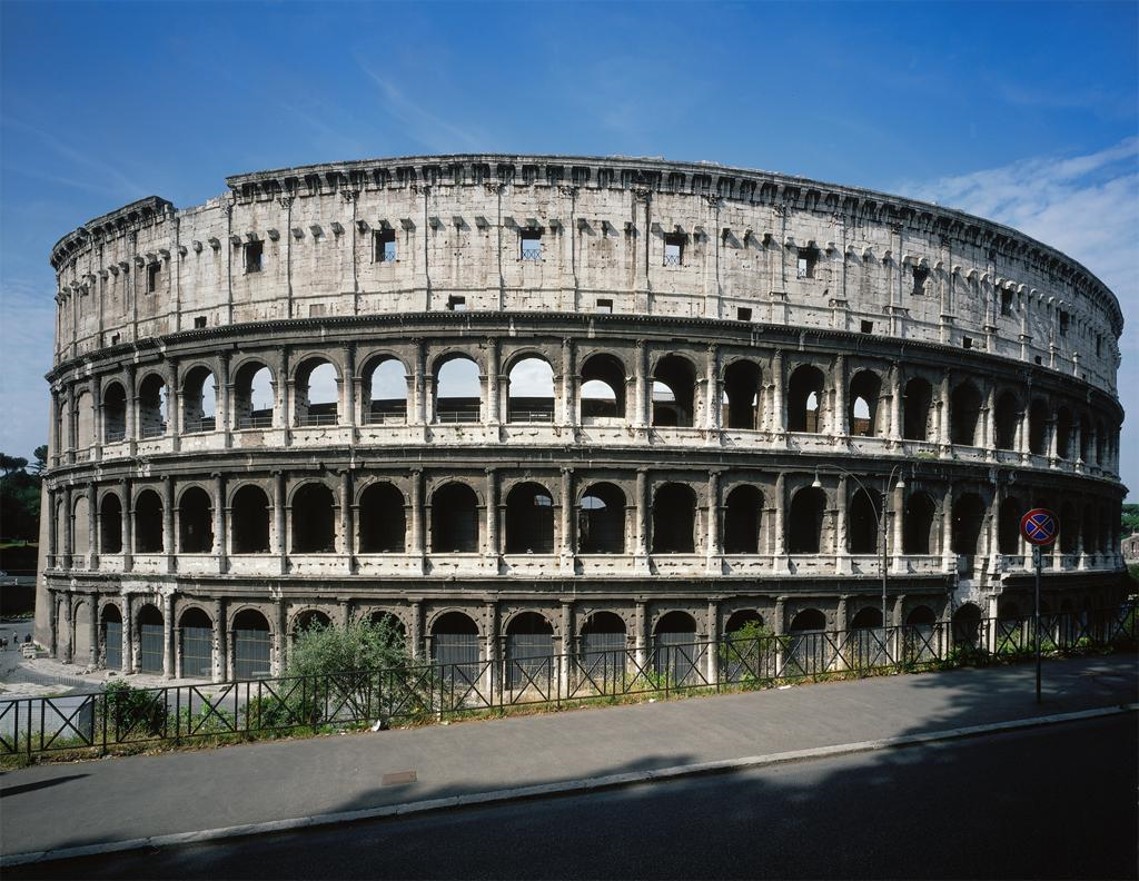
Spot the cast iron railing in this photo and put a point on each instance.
(121, 717)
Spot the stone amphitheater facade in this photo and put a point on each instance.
(561, 399)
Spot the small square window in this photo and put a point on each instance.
(530, 243)
(152, 272)
(199, 321)
(316, 310)
(384, 247)
(253, 254)
(674, 249)
(115, 339)
(743, 314)
(1006, 303)
(807, 260)
(868, 327)
(457, 304)
(1037, 360)
(967, 342)
(921, 274)
(605, 306)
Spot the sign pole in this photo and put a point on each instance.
(1036, 555)
(1039, 527)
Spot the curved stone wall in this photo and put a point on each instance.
(492, 395)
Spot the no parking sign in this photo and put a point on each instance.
(1039, 527)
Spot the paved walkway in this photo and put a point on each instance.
(54, 810)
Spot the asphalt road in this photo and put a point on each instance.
(1052, 802)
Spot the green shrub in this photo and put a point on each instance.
(133, 710)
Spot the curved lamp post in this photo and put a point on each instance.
(884, 494)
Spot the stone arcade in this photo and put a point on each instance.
(554, 402)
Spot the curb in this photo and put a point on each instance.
(546, 790)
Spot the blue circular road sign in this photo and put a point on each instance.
(1039, 526)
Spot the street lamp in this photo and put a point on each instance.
(885, 569)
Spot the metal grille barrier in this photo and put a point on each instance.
(459, 682)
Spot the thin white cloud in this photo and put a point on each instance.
(434, 133)
(119, 182)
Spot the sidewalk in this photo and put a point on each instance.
(115, 803)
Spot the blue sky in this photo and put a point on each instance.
(1026, 113)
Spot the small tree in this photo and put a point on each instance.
(321, 650)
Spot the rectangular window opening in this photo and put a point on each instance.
(530, 243)
(384, 246)
(1065, 323)
(253, 254)
(1006, 303)
(152, 273)
(605, 306)
(967, 342)
(457, 304)
(1037, 360)
(743, 314)
(317, 310)
(674, 249)
(868, 327)
(199, 321)
(921, 274)
(805, 265)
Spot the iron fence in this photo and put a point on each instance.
(462, 681)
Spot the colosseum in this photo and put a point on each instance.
(539, 403)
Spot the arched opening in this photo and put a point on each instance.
(152, 406)
(867, 617)
(199, 401)
(968, 518)
(742, 386)
(195, 522)
(197, 643)
(1090, 530)
(601, 654)
(152, 640)
(673, 394)
(390, 627)
(530, 397)
(529, 651)
(148, 538)
(743, 520)
(747, 620)
(81, 527)
(862, 531)
(918, 533)
(114, 413)
(317, 393)
(1038, 427)
(601, 520)
(865, 392)
(385, 391)
(529, 520)
(602, 389)
(916, 404)
(805, 399)
(806, 646)
(1008, 526)
(314, 520)
(455, 649)
(919, 642)
(1069, 528)
(805, 523)
(1085, 437)
(252, 645)
(253, 396)
(964, 412)
(967, 625)
(1063, 433)
(383, 526)
(310, 620)
(111, 626)
(674, 520)
(1007, 418)
(250, 520)
(110, 525)
(454, 520)
(82, 650)
(675, 652)
(458, 393)
(84, 421)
